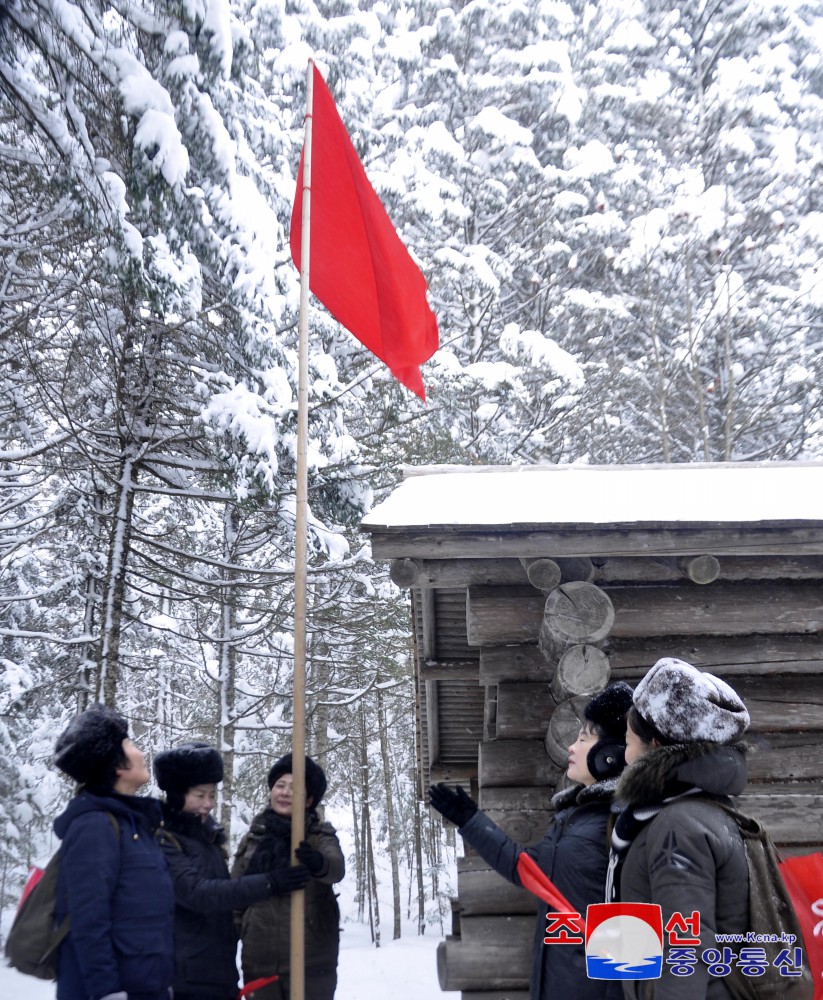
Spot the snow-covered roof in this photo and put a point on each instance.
(721, 493)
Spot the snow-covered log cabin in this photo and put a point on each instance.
(531, 587)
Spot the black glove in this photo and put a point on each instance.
(456, 806)
(310, 857)
(285, 880)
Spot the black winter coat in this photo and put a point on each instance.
(690, 856)
(574, 855)
(205, 940)
(116, 887)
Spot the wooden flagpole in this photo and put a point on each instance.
(297, 962)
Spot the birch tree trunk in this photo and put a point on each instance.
(91, 604)
(390, 813)
(359, 867)
(318, 707)
(374, 902)
(418, 854)
(114, 591)
(368, 840)
(226, 687)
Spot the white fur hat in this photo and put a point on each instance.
(684, 704)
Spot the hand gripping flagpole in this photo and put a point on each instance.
(297, 964)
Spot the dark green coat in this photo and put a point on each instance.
(265, 927)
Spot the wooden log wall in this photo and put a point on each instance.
(517, 776)
(755, 621)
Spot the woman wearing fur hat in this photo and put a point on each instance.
(205, 940)
(112, 881)
(673, 846)
(265, 928)
(573, 853)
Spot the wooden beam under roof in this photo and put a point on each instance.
(778, 538)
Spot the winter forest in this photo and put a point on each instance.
(618, 207)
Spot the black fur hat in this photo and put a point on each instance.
(186, 765)
(608, 709)
(315, 777)
(91, 747)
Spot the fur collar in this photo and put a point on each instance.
(714, 768)
(578, 795)
(188, 825)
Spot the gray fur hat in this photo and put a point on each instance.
(186, 765)
(315, 777)
(686, 704)
(91, 747)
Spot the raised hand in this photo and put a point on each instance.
(457, 806)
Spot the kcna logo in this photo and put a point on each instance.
(624, 941)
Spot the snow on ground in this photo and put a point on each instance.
(402, 970)
(13, 986)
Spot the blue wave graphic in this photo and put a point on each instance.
(614, 968)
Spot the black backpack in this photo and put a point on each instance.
(34, 940)
(770, 912)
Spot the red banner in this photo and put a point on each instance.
(803, 876)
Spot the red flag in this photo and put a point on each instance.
(359, 269)
(537, 882)
(256, 984)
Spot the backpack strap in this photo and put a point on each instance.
(163, 836)
(114, 824)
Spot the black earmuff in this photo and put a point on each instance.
(606, 759)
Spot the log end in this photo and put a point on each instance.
(544, 574)
(404, 572)
(701, 569)
(576, 568)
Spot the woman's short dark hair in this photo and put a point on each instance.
(108, 776)
(645, 730)
(587, 726)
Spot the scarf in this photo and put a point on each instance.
(273, 846)
(630, 821)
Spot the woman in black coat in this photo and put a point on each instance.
(573, 854)
(205, 940)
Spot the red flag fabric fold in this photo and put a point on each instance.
(537, 882)
(359, 268)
